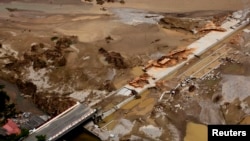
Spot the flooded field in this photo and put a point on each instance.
(22, 104)
(49, 8)
(79, 134)
(60, 48)
(195, 131)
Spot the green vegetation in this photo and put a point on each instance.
(13, 137)
(41, 137)
(7, 109)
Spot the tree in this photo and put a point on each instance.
(7, 109)
(14, 137)
(41, 137)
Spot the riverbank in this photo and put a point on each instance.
(22, 104)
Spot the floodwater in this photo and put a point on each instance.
(137, 71)
(246, 121)
(22, 104)
(134, 17)
(196, 132)
(79, 134)
(49, 8)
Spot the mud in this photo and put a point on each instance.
(195, 24)
(55, 52)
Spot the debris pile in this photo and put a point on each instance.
(101, 2)
(27, 88)
(237, 40)
(49, 102)
(107, 85)
(194, 25)
(108, 39)
(140, 81)
(39, 57)
(211, 26)
(113, 58)
(65, 42)
(212, 76)
(171, 59)
(27, 120)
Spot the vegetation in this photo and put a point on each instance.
(54, 38)
(7, 109)
(41, 137)
(13, 137)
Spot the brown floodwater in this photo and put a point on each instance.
(79, 134)
(21, 103)
(196, 132)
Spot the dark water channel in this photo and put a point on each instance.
(22, 104)
(79, 134)
(25, 105)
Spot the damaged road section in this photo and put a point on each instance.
(195, 25)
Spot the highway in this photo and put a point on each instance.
(63, 123)
(200, 68)
(204, 65)
(67, 121)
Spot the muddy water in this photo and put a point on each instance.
(134, 108)
(246, 120)
(22, 104)
(196, 132)
(136, 71)
(134, 16)
(79, 134)
(47, 8)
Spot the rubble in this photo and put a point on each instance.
(65, 42)
(41, 57)
(211, 26)
(237, 40)
(114, 59)
(37, 47)
(36, 61)
(194, 25)
(191, 88)
(108, 39)
(27, 88)
(101, 2)
(211, 76)
(151, 131)
(140, 81)
(27, 120)
(108, 86)
(48, 102)
(171, 59)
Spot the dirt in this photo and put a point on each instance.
(221, 97)
(51, 53)
(195, 24)
(196, 132)
(113, 58)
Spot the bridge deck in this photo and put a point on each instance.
(63, 123)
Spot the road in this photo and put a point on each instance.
(199, 67)
(204, 65)
(64, 123)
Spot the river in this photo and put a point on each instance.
(21, 103)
